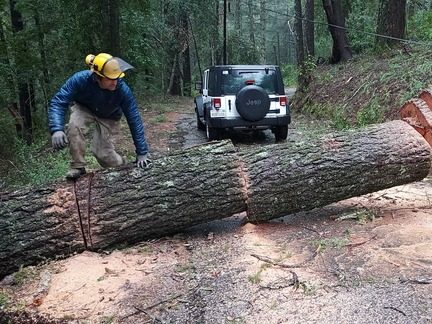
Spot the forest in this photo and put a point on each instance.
(331, 225)
(169, 42)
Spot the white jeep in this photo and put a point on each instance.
(245, 97)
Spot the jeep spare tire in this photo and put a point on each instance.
(252, 103)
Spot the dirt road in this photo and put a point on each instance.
(362, 260)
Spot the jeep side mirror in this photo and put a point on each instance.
(198, 86)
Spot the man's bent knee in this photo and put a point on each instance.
(110, 160)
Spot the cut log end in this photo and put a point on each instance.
(417, 112)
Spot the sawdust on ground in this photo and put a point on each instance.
(363, 260)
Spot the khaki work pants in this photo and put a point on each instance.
(103, 138)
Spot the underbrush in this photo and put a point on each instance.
(289, 73)
(34, 164)
(368, 89)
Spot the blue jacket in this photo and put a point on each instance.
(83, 88)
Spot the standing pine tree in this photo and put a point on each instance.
(391, 21)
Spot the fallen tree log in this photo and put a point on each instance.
(204, 183)
(306, 175)
(125, 206)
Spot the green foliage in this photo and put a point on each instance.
(36, 164)
(57, 35)
(7, 135)
(243, 50)
(362, 19)
(23, 274)
(333, 112)
(256, 277)
(370, 114)
(161, 118)
(420, 25)
(339, 118)
(369, 89)
(362, 216)
(4, 300)
(335, 243)
(290, 75)
(108, 319)
(323, 47)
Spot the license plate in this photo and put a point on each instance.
(217, 113)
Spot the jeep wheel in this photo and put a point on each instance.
(252, 103)
(200, 124)
(281, 133)
(212, 133)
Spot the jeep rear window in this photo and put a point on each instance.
(234, 80)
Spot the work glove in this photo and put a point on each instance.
(143, 161)
(59, 140)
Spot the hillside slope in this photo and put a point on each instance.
(369, 89)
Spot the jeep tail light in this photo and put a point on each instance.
(250, 82)
(283, 101)
(216, 102)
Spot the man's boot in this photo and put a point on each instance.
(74, 174)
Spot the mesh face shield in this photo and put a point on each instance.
(114, 68)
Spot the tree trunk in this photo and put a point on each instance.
(114, 27)
(186, 66)
(263, 26)
(298, 25)
(391, 21)
(45, 84)
(204, 183)
(25, 88)
(251, 24)
(336, 20)
(216, 39)
(237, 17)
(174, 87)
(310, 27)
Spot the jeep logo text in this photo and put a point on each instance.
(253, 102)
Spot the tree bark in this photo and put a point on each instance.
(336, 20)
(263, 26)
(205, 183)
(335, 167)
(174, 82)
(391, 21)
(251, 24)
(237, 17)
(114, 27)
(186, 66)
(310, 27)
(298, 25)
(45, 84)
(25, 87)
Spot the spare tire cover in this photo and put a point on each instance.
(252, 103)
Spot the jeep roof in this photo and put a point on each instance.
(215, 87)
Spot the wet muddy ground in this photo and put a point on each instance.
(363, 260)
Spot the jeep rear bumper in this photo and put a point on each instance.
(240, 122)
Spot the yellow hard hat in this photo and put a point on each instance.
(107, 66)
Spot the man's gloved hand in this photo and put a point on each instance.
(143, 161)
(59, 140)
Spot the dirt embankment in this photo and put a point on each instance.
(368, 89)
(363, 260)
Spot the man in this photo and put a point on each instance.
(98, 96)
